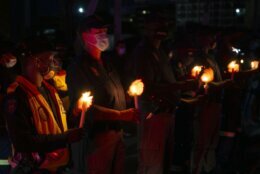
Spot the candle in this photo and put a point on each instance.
(84, 103)
(254, 64)
(196, 71)
(232, 68)
(206, 77)
(136, 89)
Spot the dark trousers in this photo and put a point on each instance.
(156, 144)
(107, 155)
(183, 138)
(206, 137)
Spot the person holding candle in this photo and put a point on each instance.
(232, 104)
(160, 97)
(91, 71)
(36, 119)
(185, 113)
(207, 125)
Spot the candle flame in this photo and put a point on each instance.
(233, 66)
(136, 88)
(207, 76)
(196, 70)
(86, 100)
(254, 64)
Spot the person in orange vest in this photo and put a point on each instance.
(36, 119)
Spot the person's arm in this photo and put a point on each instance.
(102, 113)
(217, 86)
(242, 75)
(180, 85)
(194, 101)
(145, 71)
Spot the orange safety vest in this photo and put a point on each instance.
(44, 120)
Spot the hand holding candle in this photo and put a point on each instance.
(85, 102)
(136, 89)
(196, 71)
(232, 68)
(206, 77)
(254, 65)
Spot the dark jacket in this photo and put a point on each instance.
(153, 67)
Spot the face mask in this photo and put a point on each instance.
(161, 35)
(49, 67)
(11, 63)
(102, 42)
(121, 51)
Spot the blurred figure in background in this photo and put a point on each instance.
(207, 122)
(9, 68)
(160, 98)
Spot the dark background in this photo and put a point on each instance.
(23, 18)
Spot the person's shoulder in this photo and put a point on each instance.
(15, 92)
(13, 99)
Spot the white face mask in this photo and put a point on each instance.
(121, 51)
(11, 63)
(102, 42)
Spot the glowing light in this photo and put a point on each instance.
(233, 67)
(207, 76)
(86, 100)
(242, 61)
(236, 50)
(238, 11)
(196, 71)
(136, 88)
(254, 64)
(81, 10)
(131, 20)
(144, 12)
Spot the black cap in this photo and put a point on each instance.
(155, 21)
(31, 47)
(92, 21)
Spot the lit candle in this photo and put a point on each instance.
(136, 89)
(206, 77)
(254, 64)
(232, 68)
(85, 102)
(196, 71)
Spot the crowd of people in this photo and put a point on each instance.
(183, 123)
